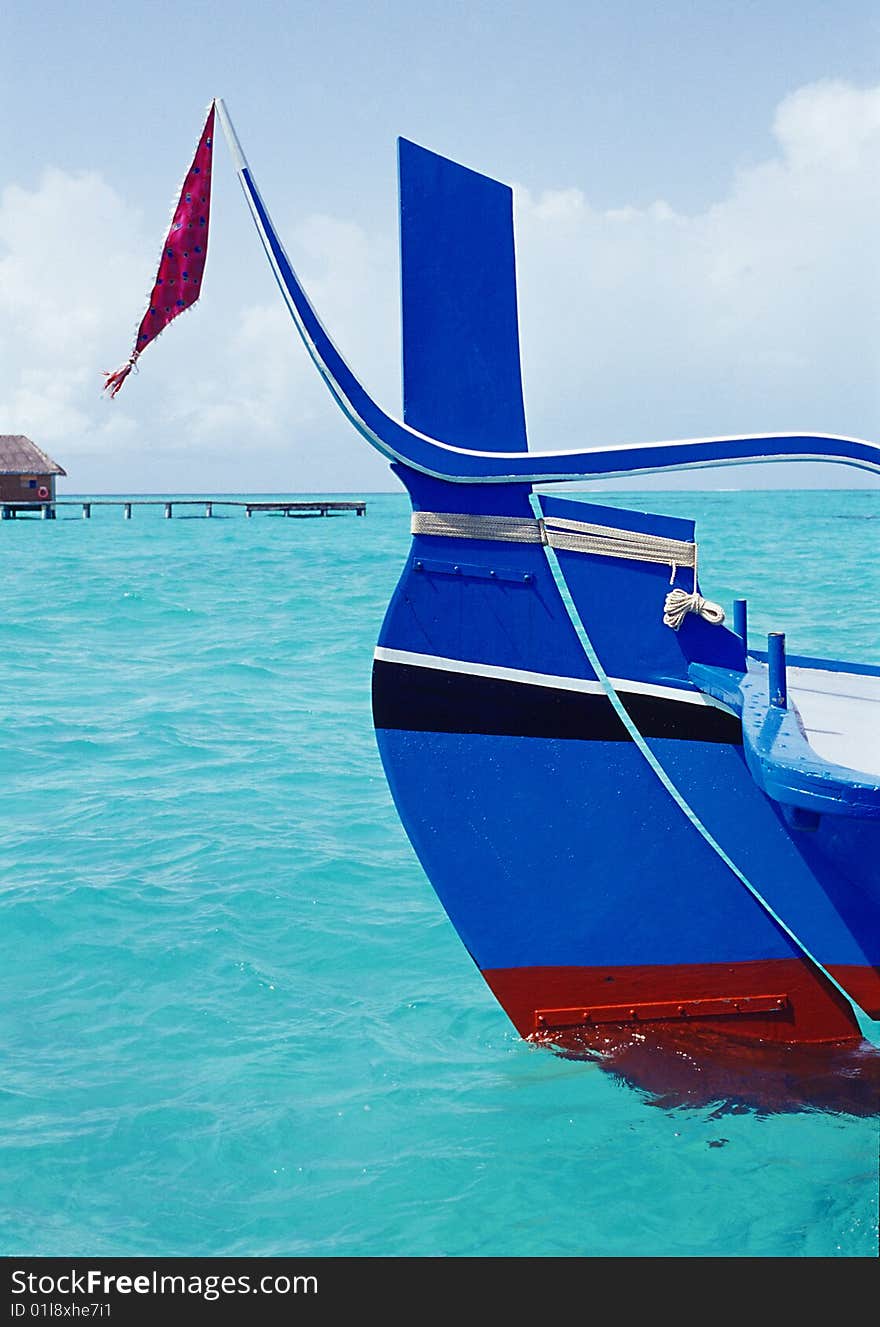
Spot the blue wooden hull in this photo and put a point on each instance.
(623, 820)
(568, 868)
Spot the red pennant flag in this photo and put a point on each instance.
(179, 278)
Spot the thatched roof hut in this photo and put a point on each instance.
(27, 474)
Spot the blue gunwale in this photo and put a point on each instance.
(781, 760)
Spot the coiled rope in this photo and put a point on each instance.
(679, 603)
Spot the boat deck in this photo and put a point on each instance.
(840, 713)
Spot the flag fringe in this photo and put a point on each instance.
(118, 376)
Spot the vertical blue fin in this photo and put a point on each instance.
(461, 366)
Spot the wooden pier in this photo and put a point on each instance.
(317, 507)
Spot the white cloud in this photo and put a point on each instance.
(762, 312)
(76, 263)
(61, 288)
(830, 126)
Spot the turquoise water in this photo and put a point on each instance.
(234, 1019)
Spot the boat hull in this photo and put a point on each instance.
(587, 816)
(547, 855)
(591, 810)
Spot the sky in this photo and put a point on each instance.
(697, 198)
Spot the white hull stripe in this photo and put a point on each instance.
(592, 687)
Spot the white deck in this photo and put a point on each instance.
(841, 715)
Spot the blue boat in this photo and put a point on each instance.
(633, 819)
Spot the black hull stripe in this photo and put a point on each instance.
(659, 716)
(435, 700)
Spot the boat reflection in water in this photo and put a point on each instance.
(676, 1068)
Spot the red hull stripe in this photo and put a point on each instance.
(862, 983)
(805, 1008)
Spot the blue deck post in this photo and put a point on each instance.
(776, 669)
(126, 511)
(741, 621)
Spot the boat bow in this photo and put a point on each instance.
(543, 748)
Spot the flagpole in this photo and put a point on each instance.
(238, 157)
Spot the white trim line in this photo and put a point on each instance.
(589, 686)
(498, 671)
(669, 693)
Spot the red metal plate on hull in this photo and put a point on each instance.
(662, 1011)
(814, 1011)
